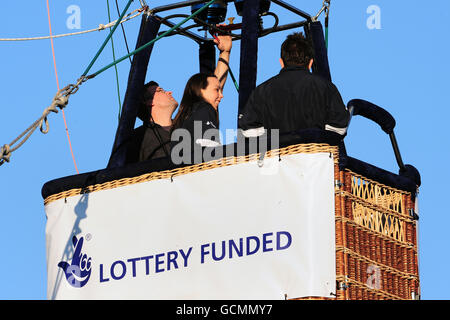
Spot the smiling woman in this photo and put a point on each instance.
(212, 93)
(198, 111)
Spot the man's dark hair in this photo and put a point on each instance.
(296, 50)
(145, 101)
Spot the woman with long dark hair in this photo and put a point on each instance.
(198, 111)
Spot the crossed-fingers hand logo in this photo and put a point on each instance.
(79, 271)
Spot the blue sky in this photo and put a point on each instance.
(402, 67)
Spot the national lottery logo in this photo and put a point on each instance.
(78, 271)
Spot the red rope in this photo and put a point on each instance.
(57, 84)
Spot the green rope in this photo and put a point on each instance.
(151, 42)
(107, 39)
(234, 79)
(115, 67)
(327, 20)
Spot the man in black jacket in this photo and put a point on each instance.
(294, 99)
(152, 139)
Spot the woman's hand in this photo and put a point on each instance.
(223, 42)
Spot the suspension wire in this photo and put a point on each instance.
(234, 79)
(57, 85)
(123, 30)
(231, 73)
(327, 19)
(61, 98)
(115, 67)
(107, 39)
(326, 9)
(150, 42)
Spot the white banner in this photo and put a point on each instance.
(237, 232)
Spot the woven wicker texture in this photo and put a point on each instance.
(376, 245)
(224, 162)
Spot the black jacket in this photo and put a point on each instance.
(149, 141)
(295, 99)
(202, 124)
(199, 129)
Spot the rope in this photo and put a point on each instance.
(61, 98)
(101, 27)
(115, 67)
(57, 85)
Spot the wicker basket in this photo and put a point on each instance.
(376, 244)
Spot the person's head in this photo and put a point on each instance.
(296, 50)
(200, 87)
(156, 104)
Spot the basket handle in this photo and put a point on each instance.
(373, 112)
(387, 123)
